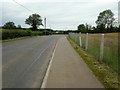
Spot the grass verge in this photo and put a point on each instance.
(14, 39)
(105, 75)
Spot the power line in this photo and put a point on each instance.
(23, 6)
(31, 11)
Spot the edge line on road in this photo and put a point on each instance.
(48, 69)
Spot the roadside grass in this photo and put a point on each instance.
(111, 45)
(105, 75)
(14, 39)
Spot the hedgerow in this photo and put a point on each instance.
(10, 34)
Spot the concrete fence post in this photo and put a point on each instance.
(70, 35)
(73, 36)
(86, 45)
(102, 48)
(80, 42)
(76, 37)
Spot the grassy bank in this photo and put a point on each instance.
(14, 39)
(106, 75)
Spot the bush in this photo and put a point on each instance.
(10, 34)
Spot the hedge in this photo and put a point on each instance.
(10, 34)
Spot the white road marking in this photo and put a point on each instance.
(48, 69)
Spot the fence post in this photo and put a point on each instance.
(86, 47)
(70, 35)
(75, 37)
(102, 48)
(80, 42)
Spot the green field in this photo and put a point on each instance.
(105, 75)
(110, 55)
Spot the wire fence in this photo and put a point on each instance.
(104, 47)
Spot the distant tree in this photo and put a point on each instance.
(34, 20)
(9, 25)
(119, 28)
(88, 27)
(105, 19)
(19, 27)
(81, 28)
(94, 28)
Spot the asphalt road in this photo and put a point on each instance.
(68, 69)
(24, 62)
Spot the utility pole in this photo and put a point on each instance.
(50, 30)
(45, 25)
(119, 13)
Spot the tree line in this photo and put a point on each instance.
(33, 20)
(105, 23)
(10, 30)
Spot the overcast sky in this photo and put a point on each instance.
(60, 14)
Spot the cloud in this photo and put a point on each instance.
(60, 14)
(63, 1)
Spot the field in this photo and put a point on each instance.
(110, 51)
(105, 74)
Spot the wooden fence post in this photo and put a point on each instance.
(86, 46)
(102, 48)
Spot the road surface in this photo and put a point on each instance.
(68, 70)
(24, 62)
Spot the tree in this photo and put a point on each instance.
(88, 27)
(119, 28)
(34, 20)
(19, 27)
(9, 25)
(81, 28)
(105, 19)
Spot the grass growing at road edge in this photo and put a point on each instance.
(14, 39)
(104, 74)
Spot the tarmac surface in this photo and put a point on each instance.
(68, 70)
(24, 62)
(49, 61)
